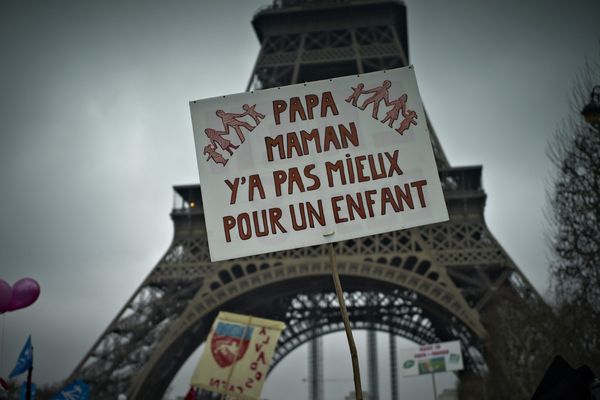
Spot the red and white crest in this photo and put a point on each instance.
(227, 342)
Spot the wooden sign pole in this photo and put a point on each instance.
(340, 296)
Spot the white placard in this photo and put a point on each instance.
(431, 358)
(315, 163)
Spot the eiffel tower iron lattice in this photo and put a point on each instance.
(425, 284)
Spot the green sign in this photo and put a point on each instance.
(431, 358)
(454, 358)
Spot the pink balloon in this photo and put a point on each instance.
(24, 293)
(5, 295)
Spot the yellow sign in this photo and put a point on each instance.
(237, 355)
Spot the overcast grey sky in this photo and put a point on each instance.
(95, 129)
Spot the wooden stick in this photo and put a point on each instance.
(340, 296)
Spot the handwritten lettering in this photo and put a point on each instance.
(304, 111)
(298, 145)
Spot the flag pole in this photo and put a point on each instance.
(434, 388)
(28, 392)
(344, 312)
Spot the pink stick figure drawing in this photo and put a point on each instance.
(379, 93)
(256, 116)
(216, 138)
(230, 121)
(214, 154)
(409, 118)
(399, 105)
(357, 91)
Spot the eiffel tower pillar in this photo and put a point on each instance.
(373, 368)
(432, 283)
(393, 368)
(315, 359)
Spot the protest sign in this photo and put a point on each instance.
(237, 355)
(315, 163)
(438, 357)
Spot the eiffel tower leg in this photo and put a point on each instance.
(372, 364)
(393, 367)
(139, 325)
(315, 354)
(315, 373)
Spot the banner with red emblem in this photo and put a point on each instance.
(237, 355)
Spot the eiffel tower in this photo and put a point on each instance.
(426, 284)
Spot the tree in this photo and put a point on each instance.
(575, 219)
(575, 201)
(524, 334)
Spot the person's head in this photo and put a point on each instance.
(246, 107)
(220, 113)
(387, 84)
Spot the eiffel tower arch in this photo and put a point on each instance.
(426, 284)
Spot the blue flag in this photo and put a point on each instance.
(78, 390)
(24, 391)
(25, 360)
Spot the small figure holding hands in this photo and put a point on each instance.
(409, 119)
(399, 105)
(216, 138)
(379, 93)
(214, 154)
(357, 91)
(256, 116)
(230, 120)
